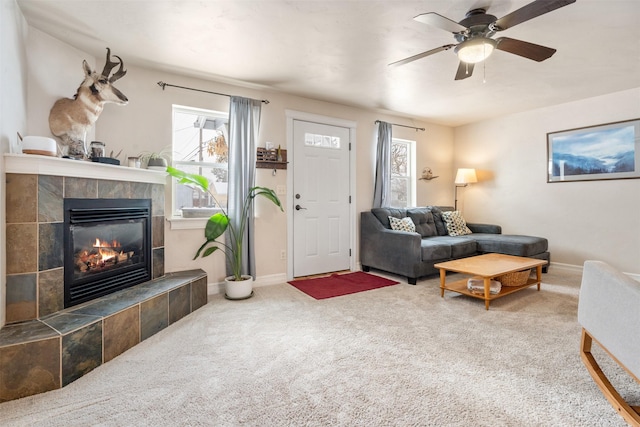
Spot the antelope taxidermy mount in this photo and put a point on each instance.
(70, 119)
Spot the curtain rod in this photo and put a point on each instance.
(163, 85)
(404, 126)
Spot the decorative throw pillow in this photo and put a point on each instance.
(455, 223)
(402, 224)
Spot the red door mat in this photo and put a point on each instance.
(340, 284)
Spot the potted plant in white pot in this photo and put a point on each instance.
(238, 285)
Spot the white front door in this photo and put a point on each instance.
(321, 226)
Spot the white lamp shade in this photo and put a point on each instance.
(466, 176)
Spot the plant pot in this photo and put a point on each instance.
(238, 289)
(157, 164)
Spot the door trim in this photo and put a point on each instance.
(292, 115)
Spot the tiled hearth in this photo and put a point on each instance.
(49, 353)
(44, 346)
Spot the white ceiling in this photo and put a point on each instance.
(338, 50)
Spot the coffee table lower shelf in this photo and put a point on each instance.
(460, 286)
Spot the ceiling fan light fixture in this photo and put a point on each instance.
(475, 50)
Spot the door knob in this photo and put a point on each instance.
(298, 207)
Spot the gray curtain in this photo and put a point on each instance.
(382, 186)
(244, 124)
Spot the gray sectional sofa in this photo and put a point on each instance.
(414, 254)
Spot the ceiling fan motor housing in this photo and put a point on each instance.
(478, 24)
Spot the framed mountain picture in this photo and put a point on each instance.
(608, 151)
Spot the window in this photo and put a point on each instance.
(324, 141)
(403, 173)
(200, 146)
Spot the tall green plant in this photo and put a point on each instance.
(219, 222)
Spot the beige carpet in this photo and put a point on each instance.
(395, 356)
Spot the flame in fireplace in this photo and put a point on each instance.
(106, 250)
(103, 255)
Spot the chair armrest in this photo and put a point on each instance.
(484, 228)
(381, 247)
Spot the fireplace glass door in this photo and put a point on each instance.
(107, 246)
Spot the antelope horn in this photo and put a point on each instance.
(120, 73)
(108, 65)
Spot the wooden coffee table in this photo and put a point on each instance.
(487, 267)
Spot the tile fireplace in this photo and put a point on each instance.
(97, 230)
(37, 190)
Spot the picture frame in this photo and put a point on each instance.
(600, 152)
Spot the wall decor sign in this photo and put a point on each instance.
(608, 151)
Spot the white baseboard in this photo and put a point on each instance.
(215, 288)
(579, 268)
(272, 279)
(566, 267)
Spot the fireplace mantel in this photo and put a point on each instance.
(56, 166)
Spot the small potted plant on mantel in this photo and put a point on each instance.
(238, 285)
(155, 160)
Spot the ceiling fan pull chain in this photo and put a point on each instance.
(484, 71)
(484, 65)
(466, 64)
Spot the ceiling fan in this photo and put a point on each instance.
(474, 33)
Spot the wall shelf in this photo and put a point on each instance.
(268, 159)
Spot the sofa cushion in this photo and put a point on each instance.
(423, 219)
(510, 244)
(459, 246)
(455, 223)
(402, 224)
(383, 214)
(432, 249)
(441, 229)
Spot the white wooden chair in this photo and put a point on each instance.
(609, 312)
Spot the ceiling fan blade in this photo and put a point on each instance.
(524, 49)
(464, 70)
(530, 11)
(422, 55)
(436, 20)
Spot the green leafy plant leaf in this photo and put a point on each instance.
(216, 226)
(189, 179)
(209, 251)
(269, 194)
